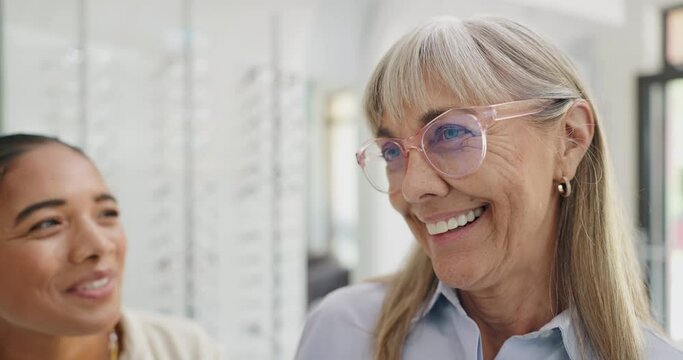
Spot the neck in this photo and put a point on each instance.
(516, 306)
(19, 345)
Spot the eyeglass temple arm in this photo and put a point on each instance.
(518, 108)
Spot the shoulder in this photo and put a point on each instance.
(658, 347)
(148, 335)
(355, 304)
(342, 325)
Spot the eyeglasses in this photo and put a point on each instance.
(453, 143)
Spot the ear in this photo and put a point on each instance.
(578, 128)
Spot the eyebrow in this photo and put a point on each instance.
(105, 197)
(428, 116)
(53, 203)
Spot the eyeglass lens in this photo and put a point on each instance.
(453, 145)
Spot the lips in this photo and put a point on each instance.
(93, 285)
(97, 285)
(454, 222)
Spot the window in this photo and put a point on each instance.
(661, 177)
(673, 22)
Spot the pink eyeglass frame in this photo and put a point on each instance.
(486, 115)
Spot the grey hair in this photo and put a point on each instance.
(481, 61)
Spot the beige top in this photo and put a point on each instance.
(148, 336)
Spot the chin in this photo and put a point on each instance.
(75, 325)
(91, 327)
(461, 273)
(93, 321)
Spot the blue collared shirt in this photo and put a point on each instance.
(341, 328)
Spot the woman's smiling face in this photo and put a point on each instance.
(509, 204)
(62, 246)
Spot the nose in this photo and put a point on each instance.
(421, 181)
(90, 242)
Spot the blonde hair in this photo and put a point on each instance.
(493, 60)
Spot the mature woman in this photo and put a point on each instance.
(490, 148)
(62, 250)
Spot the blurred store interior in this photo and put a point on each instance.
(227, 129)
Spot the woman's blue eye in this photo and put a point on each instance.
(390, 152)
(451, 132)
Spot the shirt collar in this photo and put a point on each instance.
(440, 291)
(562, 321)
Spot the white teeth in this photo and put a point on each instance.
(94, 285)
(462, 220)
(431, 229)
(441, 227)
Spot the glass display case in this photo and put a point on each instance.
(208, 164)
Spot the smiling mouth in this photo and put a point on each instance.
(455, 222)
(100, 285)
(94, 285)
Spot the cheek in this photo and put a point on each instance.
(27, 270)
(117, 236)
(398, 203)
(122, 246)
(522, 199)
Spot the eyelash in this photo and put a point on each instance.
(39, 225)
(112, 213)
(109, 213)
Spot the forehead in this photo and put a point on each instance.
(48, 172)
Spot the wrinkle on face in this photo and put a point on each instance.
(515, 179)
